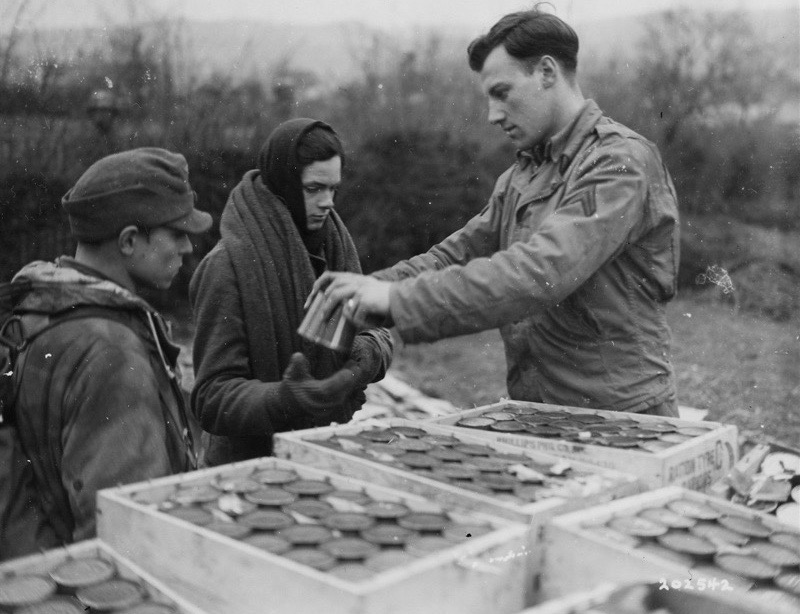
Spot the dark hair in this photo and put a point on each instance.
(318, 144)
(528, 35)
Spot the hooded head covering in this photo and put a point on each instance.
(281, 170)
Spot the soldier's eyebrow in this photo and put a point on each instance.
(497, 89)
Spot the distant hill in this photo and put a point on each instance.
(337, 53)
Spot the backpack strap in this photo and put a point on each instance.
(16, 336)
(159, 336)
(10, 337)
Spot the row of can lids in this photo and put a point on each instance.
(514, 477)
(76, 586)
(715, 540)
(345, 532)
(586, 428)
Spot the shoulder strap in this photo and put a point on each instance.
(11, 292)
(15, 338)
(10, 324)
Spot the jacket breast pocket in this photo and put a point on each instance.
(531, 209)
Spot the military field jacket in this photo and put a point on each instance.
(98, 405)
(573, 259)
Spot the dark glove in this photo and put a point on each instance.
(365, 360)
(319, 398)
(353, 404)
(358, 398)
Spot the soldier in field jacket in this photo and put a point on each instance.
(576, 254)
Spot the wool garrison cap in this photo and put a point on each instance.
(146, 187)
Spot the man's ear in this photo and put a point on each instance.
(126, 239)
(550, 71)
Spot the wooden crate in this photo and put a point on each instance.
(44, 563)
(595, 484)
(601, 600)
(579, 559)
(226, 576)
(694, 464)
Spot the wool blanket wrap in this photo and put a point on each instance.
(248, 295)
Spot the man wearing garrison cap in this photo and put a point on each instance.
(99, 401)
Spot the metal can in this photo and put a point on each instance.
(335, 333)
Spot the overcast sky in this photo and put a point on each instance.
(383, 13)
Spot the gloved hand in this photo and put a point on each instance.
(358, 398)
(365, 360)
(318, 398)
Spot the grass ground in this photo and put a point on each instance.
(743, 368)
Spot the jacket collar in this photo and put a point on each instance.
(563, 145)
(60, 285)
(69, 262)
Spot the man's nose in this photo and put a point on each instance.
(186, 246)
(326, 202)
(496, 113)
